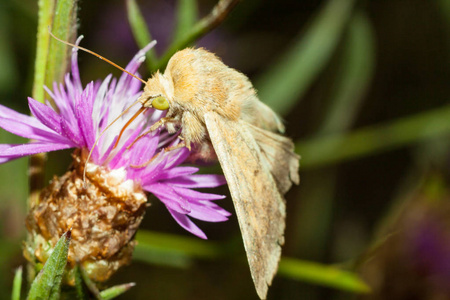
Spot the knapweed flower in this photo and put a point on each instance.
(105, 208)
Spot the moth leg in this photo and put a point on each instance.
(193, 130)
(175, 147)
(171, 148)
(168, 121)
(171, 127)
(161, 122)
(146, 163)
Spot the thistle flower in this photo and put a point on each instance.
(105, 211)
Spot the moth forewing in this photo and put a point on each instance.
(260, 208)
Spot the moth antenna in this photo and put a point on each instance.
(103, 132)
(141, 110)
(95, 54)
(125, 111)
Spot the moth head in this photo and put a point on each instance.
(157, 93)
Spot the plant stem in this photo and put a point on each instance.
(50, 65)
(140, 32)
(45, 19)
(332, 149)
(205, 25)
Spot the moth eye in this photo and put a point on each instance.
(160, 103)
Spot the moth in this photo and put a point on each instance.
(218, 111)
(221, 117)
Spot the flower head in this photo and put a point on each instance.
(137, 164)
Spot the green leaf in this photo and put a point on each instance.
(322, 275)
(346, 89)
(186, 17)
(353, 76)
(82, 280)
(173, 250)
(79, 284)
(47, 284)
(157, 245)
(17, 284)
(332, 149)
(89, 283)
(286, 81)
(141, 32)
(149, 254)
(116, 291)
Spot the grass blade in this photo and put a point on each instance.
(189, 248)
(47, 284)
(116, 291)
(141, 32)
(17, 284)
(353, 77)
(217, 15)
(173, 250)
(315, 273)
(287, 80)
(186, 17)
(332, 149)
(79, 284)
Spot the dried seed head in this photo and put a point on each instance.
(104, 215)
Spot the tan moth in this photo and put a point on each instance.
(221, 117)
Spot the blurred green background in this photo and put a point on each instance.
(363, 87)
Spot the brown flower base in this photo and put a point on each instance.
(104, 213)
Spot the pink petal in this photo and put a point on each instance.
(84, 115)
(199, 181)
(177, 172)
(168, 196)
(31, 148)
(18, 127)
(186, 223)
(10, 114)
(144, 149)
(210, 213)
(193, 195)
(45, 114)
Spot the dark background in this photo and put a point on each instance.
(335, 212)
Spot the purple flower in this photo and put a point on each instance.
(81, 115)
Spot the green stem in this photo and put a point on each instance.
(50, 64)
(327, 150)
(186, 17)
(323, 275)
(154, 247)
(37, 161)
(63, 27)
(45, 15)
(312, 228)
(205, 25)
(140, 32)
(17, 284)
(287, 80)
